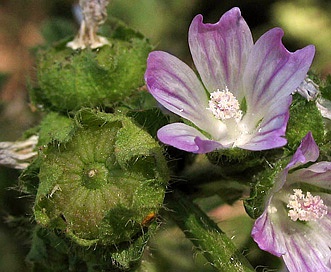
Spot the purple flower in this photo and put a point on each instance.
(245, 90)
(296, 223)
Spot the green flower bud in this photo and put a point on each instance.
(71, 79)
(105, 184)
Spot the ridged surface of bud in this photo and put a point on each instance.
(104, 185)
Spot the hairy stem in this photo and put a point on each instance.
(206, 236)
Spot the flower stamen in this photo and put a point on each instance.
(224, 105)
(306, 207)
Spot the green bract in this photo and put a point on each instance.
(105, 184)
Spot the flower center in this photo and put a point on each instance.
(306, 207)
(224, 105)
(95, 176)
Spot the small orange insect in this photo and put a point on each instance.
(148, 219)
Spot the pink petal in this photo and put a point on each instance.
(307, 249)
(304, 247)
(176, 87)
(266, 235)
(272, 71)
(220, 50)
(272, 74)
(270, 133)
(318, 174)
(186, 138)
(307, 152)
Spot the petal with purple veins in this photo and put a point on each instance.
(270, 132)
(318, 174)
(265, 234)
(307, 152)
(305, 254)
(176, 87)
(186, 138)
(220, 51)
(272, 73)
(290, 240)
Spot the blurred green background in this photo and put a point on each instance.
(23, 27)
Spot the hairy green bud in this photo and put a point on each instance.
(105, 184)
(71, 79)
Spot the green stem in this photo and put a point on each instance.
(206, 236)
